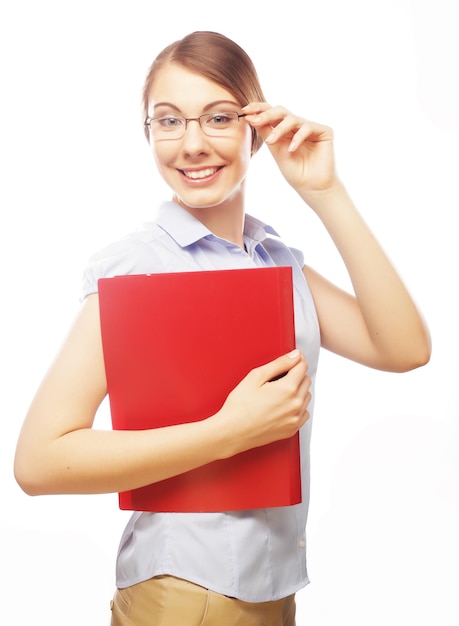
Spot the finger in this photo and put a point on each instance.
(311, 132)
(297, 375)
(279, 367)
(299, 130)
(263, 117)
(306, 415)
(268, 114)
(305, 394)
(304, 387)
(276, 124)
(294, 377)
(286, 129)
(254, 108)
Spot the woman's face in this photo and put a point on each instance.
(203, 171)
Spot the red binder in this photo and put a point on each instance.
(162, 334)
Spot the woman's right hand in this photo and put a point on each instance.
(266, 405)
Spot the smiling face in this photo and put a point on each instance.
(203, 171)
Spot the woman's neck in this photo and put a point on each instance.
(225, 220)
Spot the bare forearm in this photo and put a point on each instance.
(79, 459)
(390, 315)
(99, 461)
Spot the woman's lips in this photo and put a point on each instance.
(200, 175)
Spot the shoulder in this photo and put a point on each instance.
(270, 239)
(283, 254)
(136, 253)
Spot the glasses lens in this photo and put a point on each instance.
(168, 127)
(219, 123)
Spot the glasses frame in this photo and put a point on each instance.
(149, 119)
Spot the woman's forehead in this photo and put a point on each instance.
(184, 88)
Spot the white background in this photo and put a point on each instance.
(76, 173)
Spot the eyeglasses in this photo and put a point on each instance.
(212, 124)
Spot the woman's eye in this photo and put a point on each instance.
(170, 122)
(219, 119)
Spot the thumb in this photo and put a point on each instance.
(253, 112)
(279, 367)
(264, 131)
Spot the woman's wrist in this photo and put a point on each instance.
(322, 200)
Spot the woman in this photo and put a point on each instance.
(205, 117)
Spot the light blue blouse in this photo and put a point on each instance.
(256, 555)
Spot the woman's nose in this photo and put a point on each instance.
(194, 139)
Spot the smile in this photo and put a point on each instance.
(200, 174)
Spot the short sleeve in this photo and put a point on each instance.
(131, 255)
(299, 256)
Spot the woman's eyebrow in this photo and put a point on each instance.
(208, 107)
(212, 105)
(169, 105)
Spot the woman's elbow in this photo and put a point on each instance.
(25, 481)
(420, 360)
(414, 357)
(28, 475)
(422, 350)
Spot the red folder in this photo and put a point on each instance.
(175, 345)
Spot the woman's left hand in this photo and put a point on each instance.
(302, 149)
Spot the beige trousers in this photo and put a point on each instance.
(170, 601)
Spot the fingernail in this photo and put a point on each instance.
(293, 354)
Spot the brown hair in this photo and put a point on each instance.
(216, 57)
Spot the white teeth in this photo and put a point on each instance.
(200, 173)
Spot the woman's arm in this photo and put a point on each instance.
(380, 325)
(59, 452)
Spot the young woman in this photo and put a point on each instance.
(205, 117)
